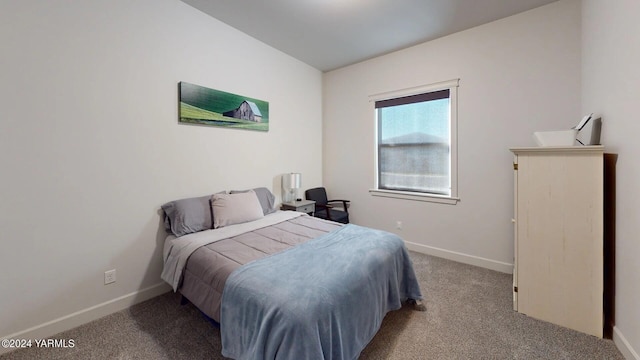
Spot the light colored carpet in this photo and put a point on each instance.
(469, 316)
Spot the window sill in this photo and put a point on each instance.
(415, 196)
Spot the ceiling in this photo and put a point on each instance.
(328, 34)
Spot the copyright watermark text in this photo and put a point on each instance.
(40, 343)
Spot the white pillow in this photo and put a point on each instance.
(229, 209)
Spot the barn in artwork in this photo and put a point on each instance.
(247, 110)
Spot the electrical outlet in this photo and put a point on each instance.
(399, 225)
(110, 276)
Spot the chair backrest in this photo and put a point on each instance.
(319, 195)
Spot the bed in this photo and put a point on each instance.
(282, 284)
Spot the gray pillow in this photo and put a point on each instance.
(186, 216)
(229, 209)
(266, 198)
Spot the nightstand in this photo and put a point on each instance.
(305, 206)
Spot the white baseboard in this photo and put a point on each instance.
(84, 316)
(460, 257)
(623, 345)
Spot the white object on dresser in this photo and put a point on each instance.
(558, 267)
(555, 138)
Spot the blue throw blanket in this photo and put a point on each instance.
(324, 299)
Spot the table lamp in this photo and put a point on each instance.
(291, 183)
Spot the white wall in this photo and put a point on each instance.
(90, 145)
(611, 89)
(517, 75)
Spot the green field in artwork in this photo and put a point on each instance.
(204, 106)
(195, 115)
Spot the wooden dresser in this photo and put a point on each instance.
(559, 235)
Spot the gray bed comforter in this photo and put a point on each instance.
(324, 299)
(205, 272)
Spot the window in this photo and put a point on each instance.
(416, 143)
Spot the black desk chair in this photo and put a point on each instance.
(324, 209)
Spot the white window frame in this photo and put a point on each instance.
(452, 199)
